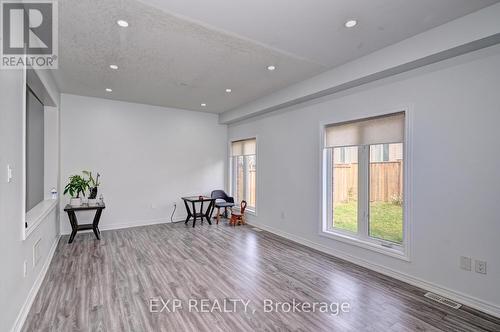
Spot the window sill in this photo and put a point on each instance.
(251, 212)
(37, 215)
(399, 253)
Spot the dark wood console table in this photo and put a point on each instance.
(193, 214)
(74, 222)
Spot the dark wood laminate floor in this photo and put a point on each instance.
(106, 285)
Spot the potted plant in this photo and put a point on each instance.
(93, 185)
(77, 185)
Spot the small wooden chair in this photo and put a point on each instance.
(238, 217)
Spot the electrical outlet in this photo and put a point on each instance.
(480, 266)
(466, 263)
(25, 269)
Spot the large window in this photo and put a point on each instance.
(363, 186)
(244, 172)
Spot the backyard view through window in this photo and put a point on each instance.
(345, 188)
(386, 192)
(244, 171)
(364, 169)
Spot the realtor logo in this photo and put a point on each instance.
(29, 34)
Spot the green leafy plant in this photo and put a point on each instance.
(93, 182)
(77, 185)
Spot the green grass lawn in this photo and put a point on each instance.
(386, 219)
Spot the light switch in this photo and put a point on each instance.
(465, 263)
(9, 174)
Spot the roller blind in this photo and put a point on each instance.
(379, 130)
(245, 147)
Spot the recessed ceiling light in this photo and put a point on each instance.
(351, 23)
(122, 23)
(228, 90)
(115, 67)
(109, 90)
(203, 105)
(271, 68)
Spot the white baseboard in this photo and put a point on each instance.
(25, 309)
(139, 223)
(464, 299)
(147, 222)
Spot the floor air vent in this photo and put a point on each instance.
(442, 300)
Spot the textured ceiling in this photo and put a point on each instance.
(164, 60)
(181, 53)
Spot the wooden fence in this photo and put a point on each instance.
(386, 181)
(252, 180)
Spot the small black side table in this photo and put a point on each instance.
(74, 222)
(198, 199)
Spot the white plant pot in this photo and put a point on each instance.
(75, 202)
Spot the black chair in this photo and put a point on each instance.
(222, 200)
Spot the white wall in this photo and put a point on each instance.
(15, 289)
(455, 170)
(148, 157)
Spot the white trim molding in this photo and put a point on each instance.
(25, 309)
(37, 215)
(121, 225)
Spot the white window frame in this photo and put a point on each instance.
(362, 238)
(250, 210)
